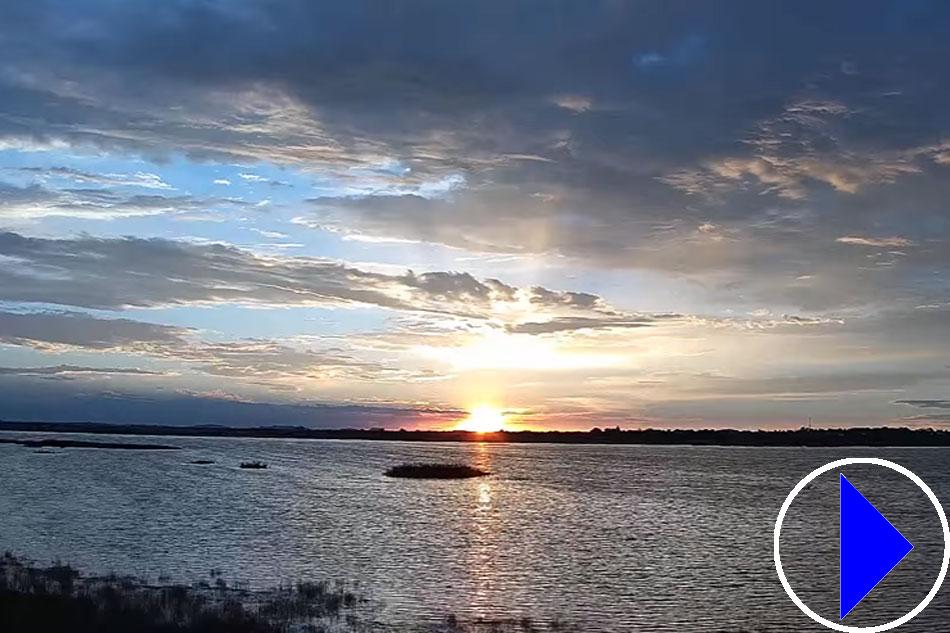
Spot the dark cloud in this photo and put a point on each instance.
(33, 399)
(254, 361)
(38, 201)
(51, 330)
(115, 274)
(931, 417)
(602, 131)
(278, 363)
(70, 371)
(795, 159)
(916, 333)
(119, 273)
(567, 324)
(926, 404)
(817, 384)
(679, 82)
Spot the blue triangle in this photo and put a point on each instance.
(870, 547)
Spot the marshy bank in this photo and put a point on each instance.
(60, 599)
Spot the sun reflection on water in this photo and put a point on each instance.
(484, 538)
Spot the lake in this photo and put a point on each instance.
(612, 538)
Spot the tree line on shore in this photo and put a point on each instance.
(856, 436)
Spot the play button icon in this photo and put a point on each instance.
(870, 547)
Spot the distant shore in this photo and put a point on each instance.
(54, 443)
(876, 436)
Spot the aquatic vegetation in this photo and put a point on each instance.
(435, 471)
(58, 598)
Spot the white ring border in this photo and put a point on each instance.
(943, 566)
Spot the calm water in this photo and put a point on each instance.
(614, 538)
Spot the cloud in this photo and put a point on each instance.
(25, 399)
(817, 384)
(883, 242)
(780, 152)
(568, 324)
(35, 202)
(141, 179)
(686, 51)
(624, 360)
(266, 124)
(221, 181)
(131, 272)
(929, 418)
(709, 147)
(56, 331)
(265, 362)
(788, 154)
(646, 60)
(260, 179)
(70, 371)
(273, 362)
(270, 234)
(575, 103)
(358, 98)
(926, 404)
(772, 255)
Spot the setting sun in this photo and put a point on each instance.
(483, 419)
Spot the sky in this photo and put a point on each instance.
(374, 214)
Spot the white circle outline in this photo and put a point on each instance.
(943, 566)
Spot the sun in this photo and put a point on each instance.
(483, 419)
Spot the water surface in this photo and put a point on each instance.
(614, 538)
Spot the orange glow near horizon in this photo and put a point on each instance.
(484, 418)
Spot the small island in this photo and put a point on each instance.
(435, 471)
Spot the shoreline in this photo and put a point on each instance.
(878, 437)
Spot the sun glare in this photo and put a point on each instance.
(483, 419)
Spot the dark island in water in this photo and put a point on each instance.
(435, 471)
(872, 436)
